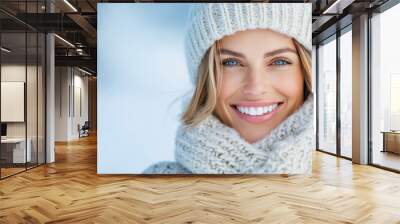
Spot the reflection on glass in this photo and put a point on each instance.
(31, 101)
(394, 101)
(346, 94)
(386, 89)
(327, 97)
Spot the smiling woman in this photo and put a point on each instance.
(252, 108)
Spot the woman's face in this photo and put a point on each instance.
(262, 82)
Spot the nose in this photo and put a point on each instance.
(255, 83)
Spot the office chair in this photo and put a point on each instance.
(84, 130)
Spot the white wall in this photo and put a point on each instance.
(61, 103)
(80, 82)
(67, 116)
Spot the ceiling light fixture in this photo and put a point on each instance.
(337, 7)
(5, 50)
(65, 41)
(79, 51)
(70, 5)
(84, 71)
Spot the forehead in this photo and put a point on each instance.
(258, 39)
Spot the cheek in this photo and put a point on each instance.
(290, 84)
(229, 86)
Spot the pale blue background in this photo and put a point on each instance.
(141, 71)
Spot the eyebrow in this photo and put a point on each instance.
(268, 54)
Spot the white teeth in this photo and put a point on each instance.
(257, 111)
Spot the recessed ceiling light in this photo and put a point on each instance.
(84, 71)
(70, 5)
(337, 7)
(64, 40)
(5, 50)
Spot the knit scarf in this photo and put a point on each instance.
(212, 147)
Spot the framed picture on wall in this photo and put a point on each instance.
(205, 88)
(12, 101)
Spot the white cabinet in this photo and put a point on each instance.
(18, 149)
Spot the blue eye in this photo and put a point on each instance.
(230, 62)
(280, 62)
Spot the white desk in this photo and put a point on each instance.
(19, 149)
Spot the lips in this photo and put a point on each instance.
(257, 112)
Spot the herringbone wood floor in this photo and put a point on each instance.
(70, 191)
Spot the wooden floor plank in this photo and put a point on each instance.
(70, 191)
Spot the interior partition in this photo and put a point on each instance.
(23, 89)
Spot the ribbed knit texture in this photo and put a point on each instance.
(214, 148)
(211, 22)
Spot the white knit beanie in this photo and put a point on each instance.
(211, 22)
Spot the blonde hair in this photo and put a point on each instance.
(204, 99)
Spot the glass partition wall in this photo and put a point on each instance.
(346, 92)
(327, 95)
(13, 90)
(385, 90)
(22, 98)
(334, 81)
(334, 90)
